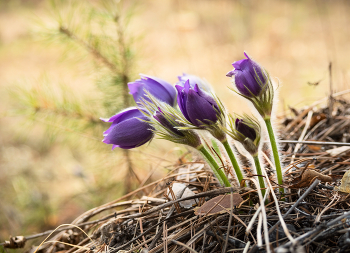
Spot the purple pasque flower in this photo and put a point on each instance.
(202, 84)
(159, 88)
(128, 130)
(245, 130)
(197, 106)
(250, 78)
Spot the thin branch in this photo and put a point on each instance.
(97, 54)
(125, 60)
(316, 142)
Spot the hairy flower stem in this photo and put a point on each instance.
(233, 160)
(258, 170)
(215, 167)
(275, 152)
(215, 147)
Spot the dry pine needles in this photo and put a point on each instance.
(316, 215)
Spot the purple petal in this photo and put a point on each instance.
(187, 86)
(206, 96)
(242, 63)
(159, 88)
(237, 122)
(136, 89)
(130, 133)
(199, 109)
(121, 116)
(247, 75)
(230, 73)
(246, 83)
(181, 100)
(193, 80)
(245, 130)
(237, 64)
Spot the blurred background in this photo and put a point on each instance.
(65, 64)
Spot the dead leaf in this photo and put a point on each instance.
(307, 177)
(218, 204)
(314, 147)
(317, 118)
(345, 183)
(337, 151)
(311, 166)
(177, 189)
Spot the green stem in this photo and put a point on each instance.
(233, 160)
(215, 146)
(275, 152)
(258, 170)
(215, 167)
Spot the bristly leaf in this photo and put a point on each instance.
(172, 129)
(251, 124)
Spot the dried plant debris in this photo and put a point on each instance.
(219, 204)
(15, 242)
(307, 177)
(176, 189)
(315, 208)
(345, 183)
(337, 151)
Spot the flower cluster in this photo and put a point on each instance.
(254, 83)
(129, 128)
(179, 113)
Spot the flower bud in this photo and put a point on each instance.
(254, 83)
(168, 125)
(159, 88)
(193, 80)
(197, 106)
(247, 132)
(250, 78)
(168, 122)
(128, 130)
